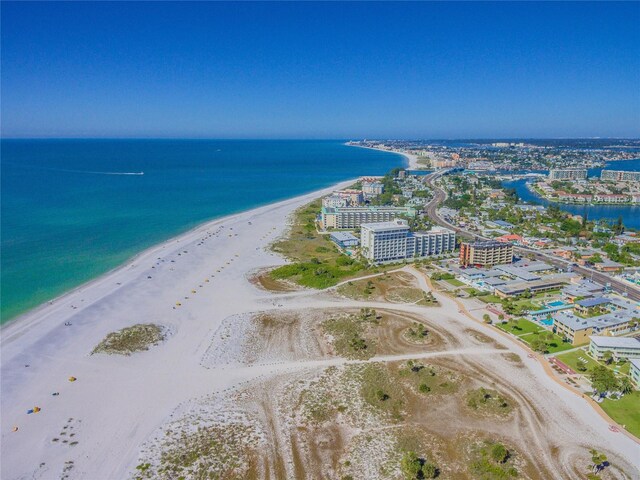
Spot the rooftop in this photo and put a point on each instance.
(615, 342)
(343, 236)
(382, 226)
(593, 302)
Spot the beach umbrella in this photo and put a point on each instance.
(14, 429)
(72, 379)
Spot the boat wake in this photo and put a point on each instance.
(78, 171)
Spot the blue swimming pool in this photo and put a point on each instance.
(547, 321)
(557, 303)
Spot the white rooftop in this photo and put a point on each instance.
(615, 342)
(382, 226)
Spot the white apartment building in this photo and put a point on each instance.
(353, 217)
(620, 347)
(334, 201)
(372, 189)
(391, 241)
(620, 176)
(568, 174)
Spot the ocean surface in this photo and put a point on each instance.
(75, 209)
(630, 213)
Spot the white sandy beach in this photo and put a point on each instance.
(412, 160)
(118, 403)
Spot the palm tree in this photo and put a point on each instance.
(625, 385)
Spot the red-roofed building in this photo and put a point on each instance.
(511, 238)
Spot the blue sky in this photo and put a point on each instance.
(321, 70)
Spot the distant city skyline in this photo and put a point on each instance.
(321, 70)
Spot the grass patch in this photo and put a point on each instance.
(625, 411)
(428, 379)
(132, 339)
(397, 287)
(572, 359)
(217, 451)
(455, 282)
(380, 391)
(492, 461)
(519, 327)
(317, 262)
(485, 401)
(533, 334)
(490, 298)
(349, 334)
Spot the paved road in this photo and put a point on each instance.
(440, 195)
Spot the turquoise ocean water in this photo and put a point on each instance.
(69, 215)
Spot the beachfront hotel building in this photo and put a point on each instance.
(568, 174)
(619, 176)
(353, 217)
(485, 253)
(393, 241)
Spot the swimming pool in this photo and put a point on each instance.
(547, 321)
(557, 303)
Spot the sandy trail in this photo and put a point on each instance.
(119, 402)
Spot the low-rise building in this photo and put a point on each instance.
(620, 347)
(577, 330)
(344, 239)
(392, 241)
(611, 198)
(608, 266)
(545, 284)
(634, 371)
(353, 217)
(588, 305)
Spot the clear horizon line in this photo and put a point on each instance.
(396, 139)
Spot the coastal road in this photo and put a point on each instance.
(439, 196)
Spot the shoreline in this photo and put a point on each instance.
(7, 327)
(120, 403)
(412, 160)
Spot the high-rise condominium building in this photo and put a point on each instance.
(485, 253)
(568, 174)
(389, 241)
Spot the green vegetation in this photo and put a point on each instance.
(485, 401)
(492, 461)
(539, 339)
(379, 390)
(427, 379)
(442, 276)
(217, 451)
(317, 261)
(132, 339)
(349, 333)
(519, 326)
(455, 282)
(414, 467)
(572, 359)
(490, 298)
(625, 411)
(417, 332)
